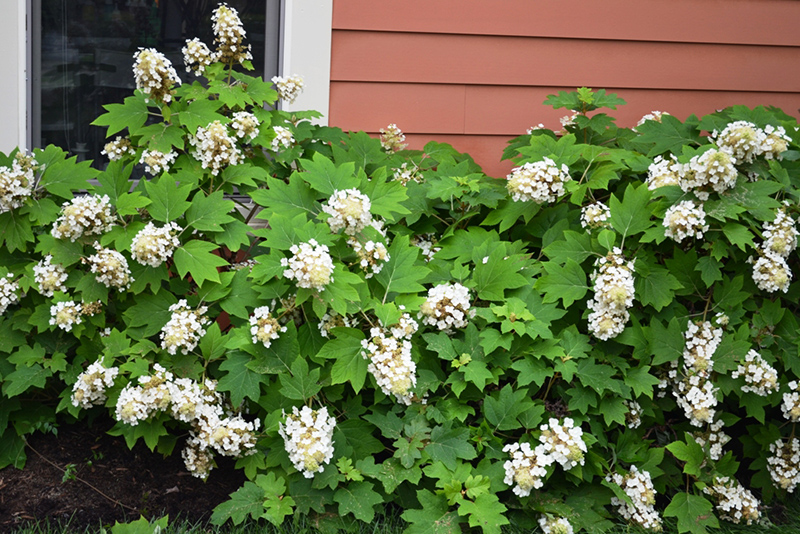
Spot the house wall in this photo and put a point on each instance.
(475, 73)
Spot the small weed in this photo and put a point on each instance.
(70, 473)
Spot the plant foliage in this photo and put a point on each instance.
(471, 349)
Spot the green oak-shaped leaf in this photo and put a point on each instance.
(359, 499)
(435, 517)
(196, 259)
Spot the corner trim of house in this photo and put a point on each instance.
(307, 27)
(14, 84)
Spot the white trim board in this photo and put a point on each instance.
(307, 26)
(13, 83)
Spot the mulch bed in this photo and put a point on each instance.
(126, 483)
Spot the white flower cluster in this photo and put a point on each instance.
(66, 314)
(283, 138)
(714, 437)
(310, 265)
(702, 340)
(404, 174)
(90, 387)
(156, 162)
(406, 326)
(663, 172)
(759, 376)
(780, 235)
(245, 124)
(392, 138)
(652, 116)
(734, 502)
(184, 328)
(84, 215)
(372, 255)
(214, 428)
(639, 487)
(116, 149)
(532, 129)
(741, 139)
(784, 464)
(229, 36)
(16, 183)
(563, 442)
(595, 216)
(426, 243)
(711, 170)
(215, 148)
(685, 219)
(349, 209)
(110, 268)
(777, 142)
(770, 271)
(332, 320)
(289, 87)
(308, 438)
(154, 74)
(198, 461)
(745, 141)
(569, 120)
(526, 468)
(559, 443)
(791, 402)
(227, 434)
(633, 415)
(555, 525)
(613, 295)
(9, 290)
(190, 400)
(447, 307)
(26, 163)
(264, 327)
(196, 56)
(49, 277)
(389, 354)
(540, 181)
(153, 246)
(695, 393)
(138, 402)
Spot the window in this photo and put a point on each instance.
(82, 56)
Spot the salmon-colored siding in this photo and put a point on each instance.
(474, 73)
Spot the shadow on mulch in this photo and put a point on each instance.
(134, 482)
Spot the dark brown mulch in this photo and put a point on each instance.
(134, 481)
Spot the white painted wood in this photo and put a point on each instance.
(307, 52)
(13, 82)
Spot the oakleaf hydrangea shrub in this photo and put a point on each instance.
(609, 334)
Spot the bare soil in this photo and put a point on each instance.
(111, 483)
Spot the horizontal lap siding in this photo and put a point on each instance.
(772, 22)
(480, 76)
(529, 61)
(509, 111)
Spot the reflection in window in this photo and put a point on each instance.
(86, 57)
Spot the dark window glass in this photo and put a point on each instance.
(86, 52)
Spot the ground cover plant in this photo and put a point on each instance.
(610, 332)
